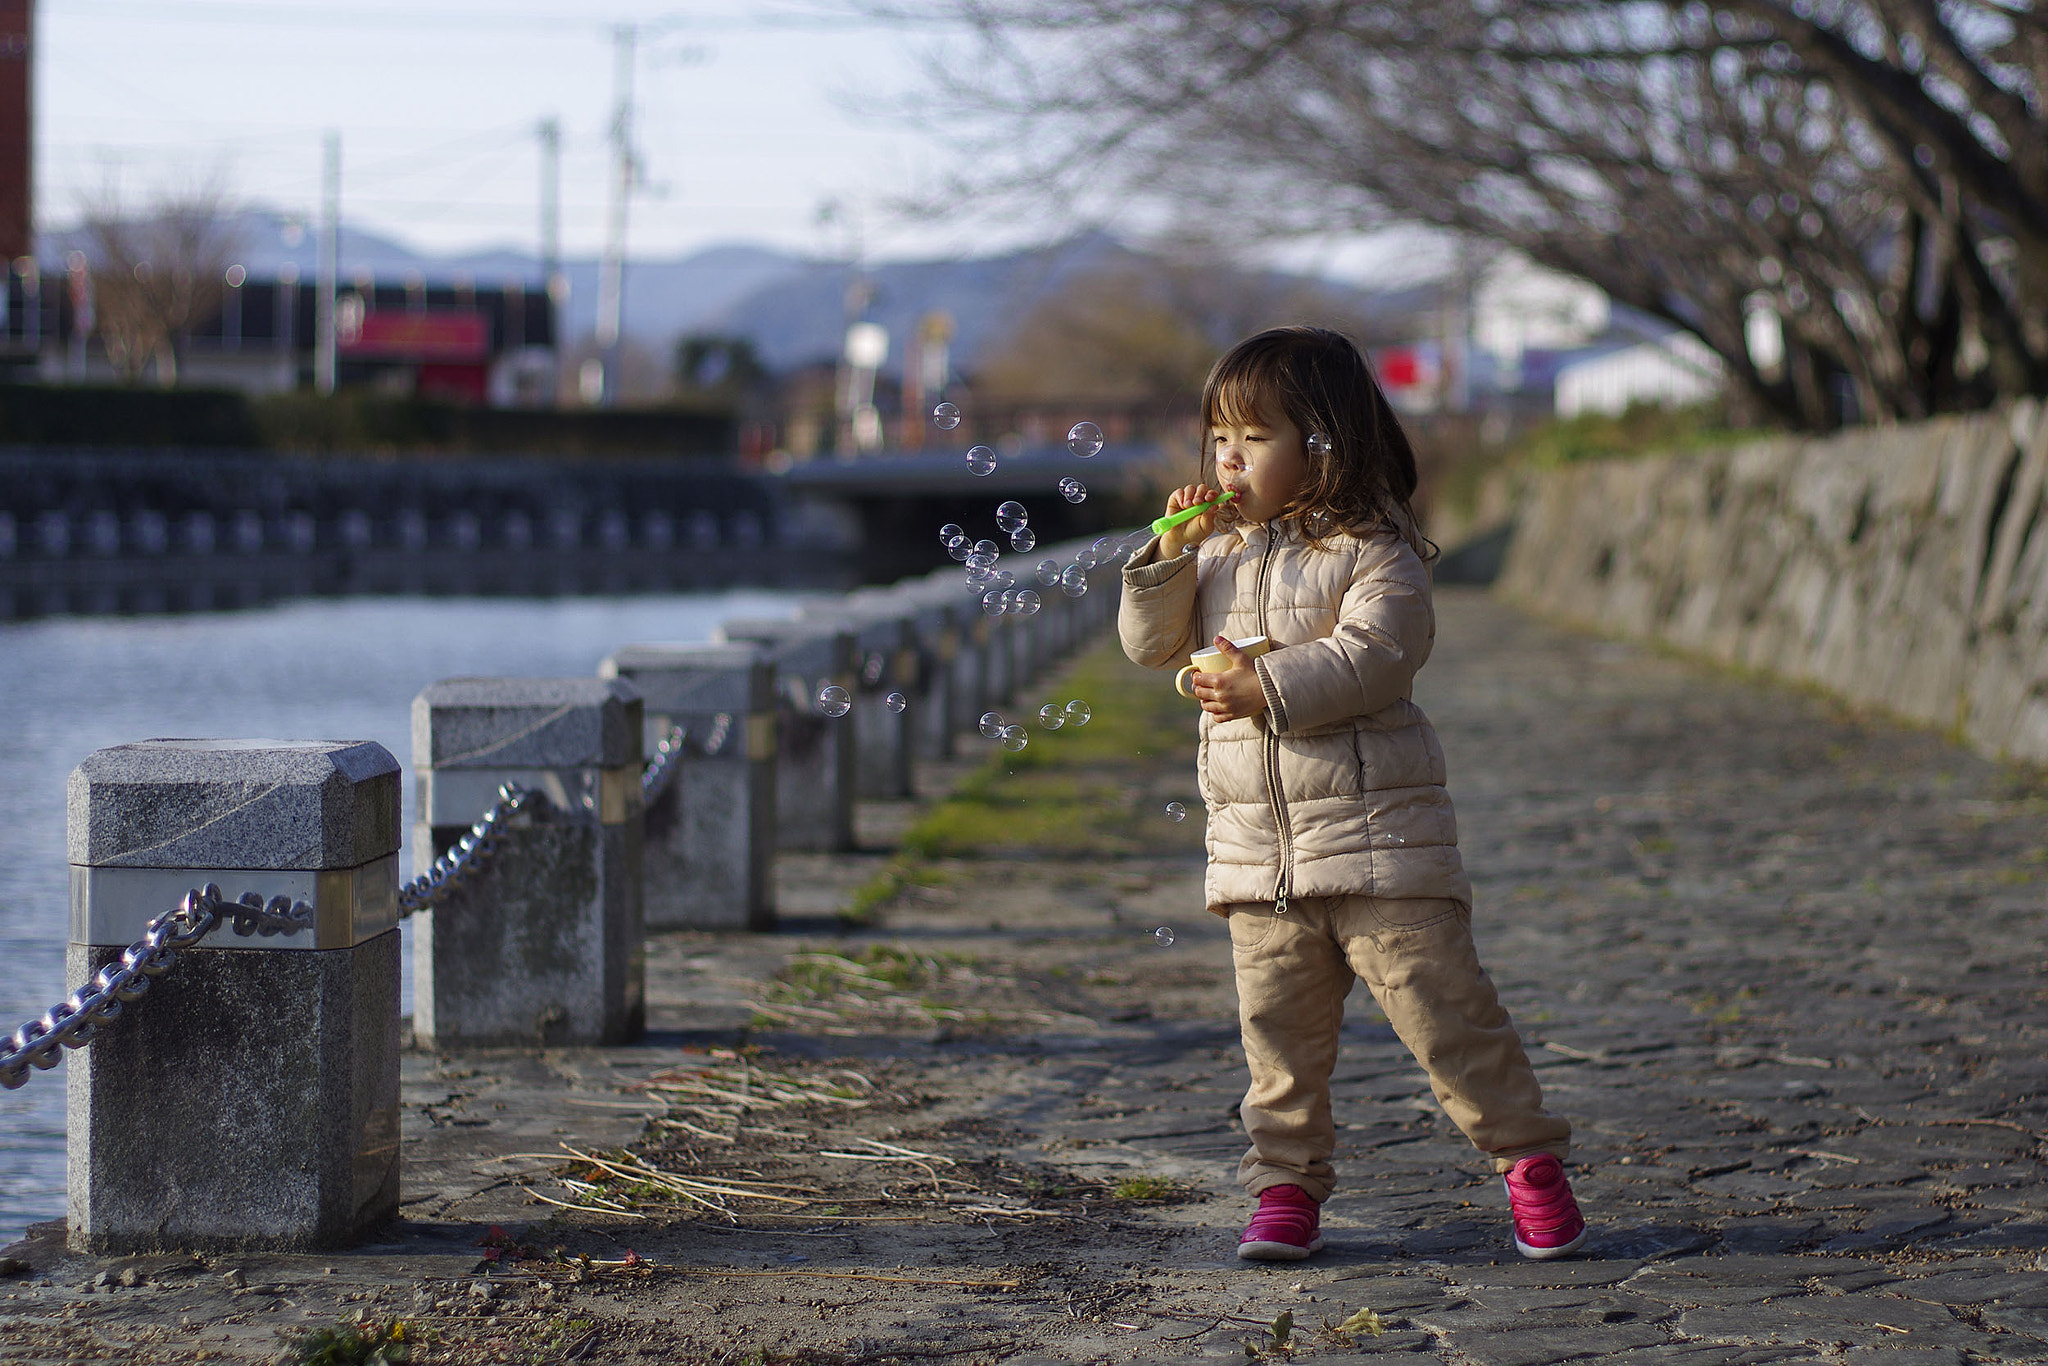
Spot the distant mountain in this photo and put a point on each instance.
(801, 318)
(794, 311)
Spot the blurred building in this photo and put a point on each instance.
(1674, 370)
(452, 340)
(17, 105)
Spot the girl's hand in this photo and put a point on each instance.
(1234, 693)
(1193, 531)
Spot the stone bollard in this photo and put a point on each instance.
(966, 672)
(543, 946)
(711, 837)
(250, 1098)
(998, 661)
(937, 701)
(815, 754)
(885, 660)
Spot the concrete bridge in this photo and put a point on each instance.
(109, 531)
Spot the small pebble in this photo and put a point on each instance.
(134, 1276)
(103, 1280)
(234, 1278)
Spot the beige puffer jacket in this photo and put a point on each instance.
(1337, 788)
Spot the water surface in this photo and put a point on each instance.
(314, 670)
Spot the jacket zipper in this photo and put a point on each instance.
(1271, 747)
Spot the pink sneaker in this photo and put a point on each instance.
(1284, 1229)
(1547, 1222)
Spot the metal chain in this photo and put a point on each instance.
(661, 769)
(456, 866)
(75, 1022)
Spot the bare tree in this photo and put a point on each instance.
(1872, 172)
(157, 274)
(1146, 326)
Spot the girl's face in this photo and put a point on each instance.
(1260, 458)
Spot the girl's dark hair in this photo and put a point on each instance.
(1363, 477)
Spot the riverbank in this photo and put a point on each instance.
(1778, 963)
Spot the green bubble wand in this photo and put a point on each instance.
(1162, 525)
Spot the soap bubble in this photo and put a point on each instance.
(991, 725)
(950, 533)
(834, 700)
(1073, 574)
(978, 579)
(987, 547)
(992, 603)
(1079, 712)
(1015, 738)
(1077, 589)
(1164, 934)
(1084, 439)
(1023, 538)
(1175, 812)
(1051, 717)
(1318, 444)
(1073, 490)
(1011, 515)
(960, 548)
(1048, 572)
(1086, 560)
(981, 559)
(981, 460)
(945, 417)
(1002, 578)
(1027, 603)
(896, 702)
(1104, 548)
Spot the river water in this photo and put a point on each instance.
(315, 669)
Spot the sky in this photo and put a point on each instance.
(742, 120)
(749, 119)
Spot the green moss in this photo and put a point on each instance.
(1643, 429)
(1078, 789)
(1145, 1188)
(1088, 790)
(363, 1344)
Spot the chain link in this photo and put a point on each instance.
(461, 861)
(74, 1023)
(661, 769)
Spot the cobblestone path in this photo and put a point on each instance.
(1783, 966)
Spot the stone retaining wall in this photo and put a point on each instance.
(1904, 568)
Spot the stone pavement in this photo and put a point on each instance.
(1782, 965)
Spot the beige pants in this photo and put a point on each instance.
(1293, 973)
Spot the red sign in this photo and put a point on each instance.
(386, 334)
(1399, 367)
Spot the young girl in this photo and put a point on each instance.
(1332, 845)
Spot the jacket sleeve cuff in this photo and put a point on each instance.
(1276, 710)
(1145, 570)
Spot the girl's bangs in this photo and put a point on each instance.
(1242, 395)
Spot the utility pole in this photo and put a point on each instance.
(552, 279)
(550, 132)
(324, 357)
(611, 279)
